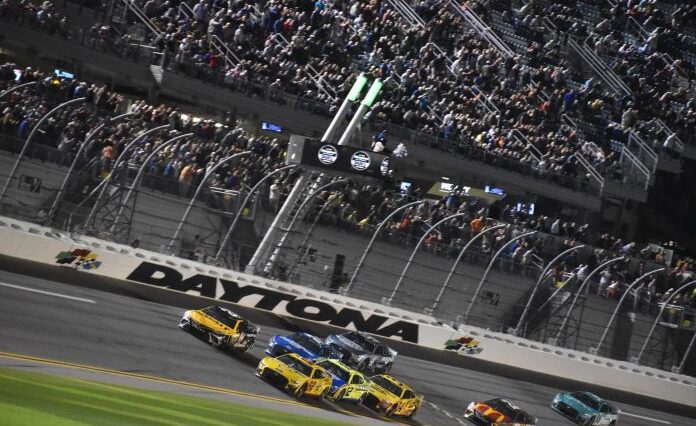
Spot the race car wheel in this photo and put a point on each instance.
(340, 395)
(590, 421)
(390, 411)
(323, 394)
(300, 391)
(362, 365)
(386, 368)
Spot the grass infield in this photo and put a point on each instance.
(42, 399)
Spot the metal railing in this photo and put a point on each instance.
(482, 29)
(591, 171)
(138, 12)
(642, 151)
(638, 172)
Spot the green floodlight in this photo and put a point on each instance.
(357, 88)
(372, 93)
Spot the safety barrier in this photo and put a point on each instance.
(31, 242)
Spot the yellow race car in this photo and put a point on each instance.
(295, 374)
(392, 397)
(347, 384)
(222, 327)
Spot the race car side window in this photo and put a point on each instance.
(356, 380)
(606, 409)
(318, 374)
(409, 394)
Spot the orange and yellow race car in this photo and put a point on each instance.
(295, 374)
(392, 397)
(222, 327)
(498, 412)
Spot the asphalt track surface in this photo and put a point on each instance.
(95, 328)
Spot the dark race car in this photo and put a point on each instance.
(498, 412)
(362, 351)
(305, 345)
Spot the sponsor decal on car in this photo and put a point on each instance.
(464, 345)
(275, 301)
(79, 259)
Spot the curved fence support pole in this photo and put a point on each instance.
(17, 87)
(359, 266)
(139, 175)
(305, 240)
(225, 240)
(415, 251)
(198, 191)
(105, 182)
(84, 144)
(276, 251)
(475, 238)
(581, 289)
(29, 139)
(488, 269)
(596, 349)
(657, 319)
(538, 282)
(687, 353)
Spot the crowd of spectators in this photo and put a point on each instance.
(441, 79)
(183, 163)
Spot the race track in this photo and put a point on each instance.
(91, 327)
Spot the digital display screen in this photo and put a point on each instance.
(64, 74)
(271, 127)
(526, 208)
(494, 190)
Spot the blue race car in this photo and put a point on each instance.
(585, 408)
(303, 344)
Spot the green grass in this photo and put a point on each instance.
(41, 399)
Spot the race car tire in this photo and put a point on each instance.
(590, 421)
(362, 365)
(413, 413)
(340, 395)
(386, 368)
(300, 391)
(360, 400)
(390, 411)
(323, 394)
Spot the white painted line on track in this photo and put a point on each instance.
(460, 421)
(433, 405)
(637, 416)
(446, 413)
(48, 293)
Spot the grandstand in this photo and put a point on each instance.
(576, 108)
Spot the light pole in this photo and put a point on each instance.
(241, 208)
(138, 176)
(84, 143)
(372, 241)
(105, 182)
(459, 258)
(657, 319)
(536, 285)
(613, 315)
(415, 250)
(198, 190)
(490, 265)
(581, 289)
(29, 139)
(276, 252)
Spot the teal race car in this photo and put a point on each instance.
(585, 408)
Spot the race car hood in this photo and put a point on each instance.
(295, 347)
(282, 368)
(210, 323)
(577, 405)
(381, 393)
(493, 416)
(353, 347)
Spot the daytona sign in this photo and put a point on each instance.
(274, 301)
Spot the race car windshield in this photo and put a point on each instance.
(586, 399)
(220, 315)
(361, 341)
(386, 384)
(296, 365)
(335, 370)
(307, 342)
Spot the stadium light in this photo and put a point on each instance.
(369, 99)
(357, 88)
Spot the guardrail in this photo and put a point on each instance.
(482, 29)
(136, 269)
(130, 5)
